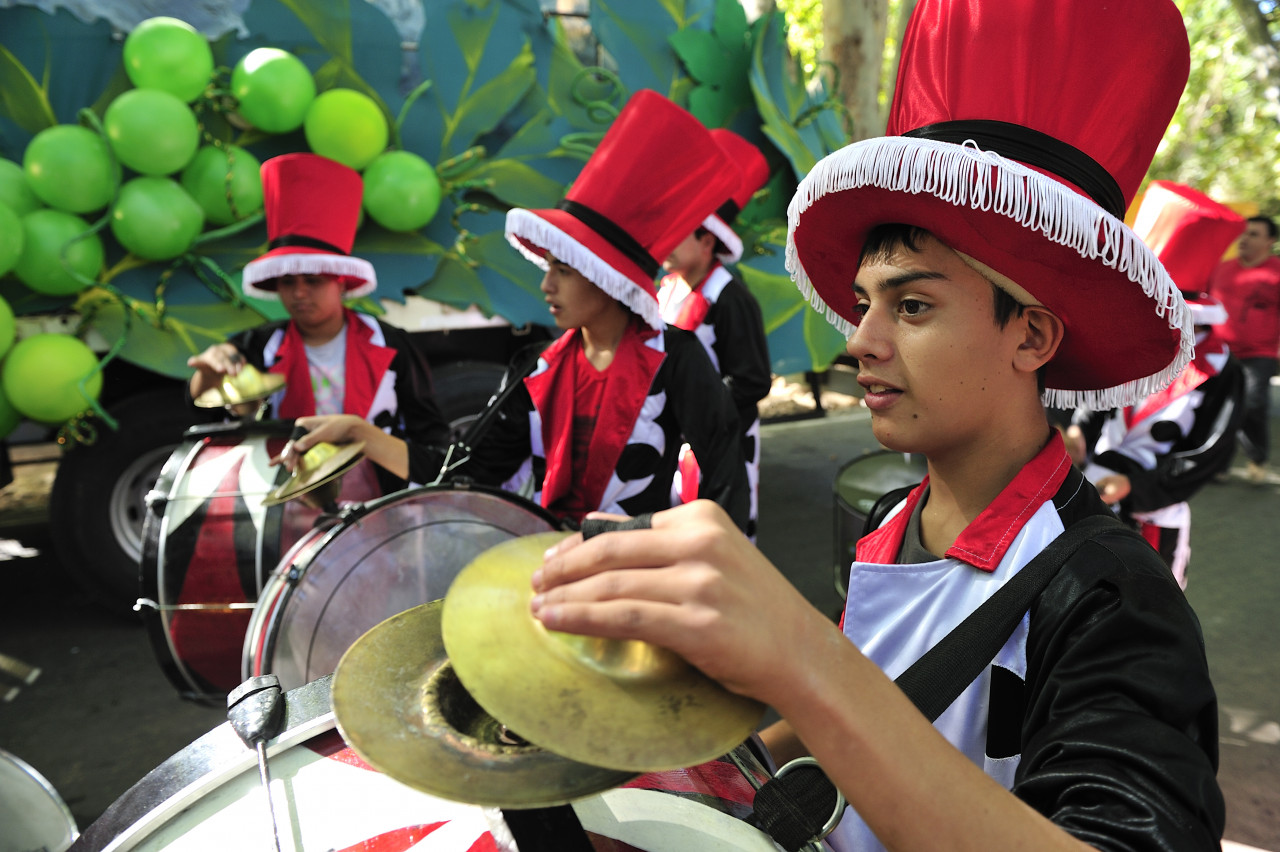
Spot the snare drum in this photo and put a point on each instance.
(32, 814)
(209, 545)
(209, 796)
(381, 559)
(859, 484)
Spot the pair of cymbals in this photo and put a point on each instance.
(317, 478)
(247, 386)
(596, 711)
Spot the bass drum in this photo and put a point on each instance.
(381, 559)
(859, 484)
(209, 796)
(32, 814)
(209, 546)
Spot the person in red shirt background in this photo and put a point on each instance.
(1248, 286)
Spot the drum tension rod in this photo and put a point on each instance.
(255, 710)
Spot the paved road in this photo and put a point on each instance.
(101, 714)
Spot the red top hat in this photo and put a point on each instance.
(656, 174)
(1020, 131)
(753, 173)
(1189, 232)
(312, 205)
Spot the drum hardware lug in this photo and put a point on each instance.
(145, 603)
(255, 710)
(294, 575)
(155, 497)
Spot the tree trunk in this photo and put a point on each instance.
(853, 33)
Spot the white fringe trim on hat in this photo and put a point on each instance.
(726, 235)
(962, 175)
(306, 263)
(528, 225)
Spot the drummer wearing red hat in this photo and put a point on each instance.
(594, 420)
(978, 261)
(700, 294)
(1148, 459)
(333, 359)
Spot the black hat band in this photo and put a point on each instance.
(614, 234)
(1034, 148)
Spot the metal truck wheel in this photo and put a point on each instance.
(462, 390)
(97, 505)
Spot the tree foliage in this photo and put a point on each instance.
(1225, 135)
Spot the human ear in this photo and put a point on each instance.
(1042, 335)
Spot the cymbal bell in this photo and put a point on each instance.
(625, 705)
(400, 706)
(248, 385)
(318, 477)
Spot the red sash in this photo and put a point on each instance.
(693, 310)
(364, 366)
(627, 385)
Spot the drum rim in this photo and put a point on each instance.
(47, 788)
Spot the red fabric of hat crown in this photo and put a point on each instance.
(753, 172)
(656, 175)
(750, 162)
(312, 206)
(1082, 88)
(1187, 230)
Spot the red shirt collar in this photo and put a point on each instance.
(985, 541)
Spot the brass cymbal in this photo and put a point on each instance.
(622, 704)
(248, 385)
(400, 705)
(317, 475)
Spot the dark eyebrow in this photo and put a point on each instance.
(895, 282)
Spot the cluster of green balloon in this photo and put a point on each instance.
(41, 379)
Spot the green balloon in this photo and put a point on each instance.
(10, 241)
(44, 266)
(217, 173)
(401, 191)
(169, 55)
(69, 167)
(155, 218)
(273, 89)
(347, 126)
(152, 132)
(15, 193)
(42, 375)
(8, 327)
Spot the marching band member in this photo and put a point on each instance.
(333, 359)
(978, 261)
(699, 293)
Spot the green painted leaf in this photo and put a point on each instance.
(22, 99)
(702, 54)
(517, 184)
(483, 110)
(824, 342)
(457, 284)
(471, 30)
(187, 330)
(775, 116)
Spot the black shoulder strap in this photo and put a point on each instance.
(936, 680)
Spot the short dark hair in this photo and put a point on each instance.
(1272, 231)
(882, 240)
(719, 248)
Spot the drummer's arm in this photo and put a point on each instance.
(783, 744)
(704, 601)
(386, 451)
(220, 359)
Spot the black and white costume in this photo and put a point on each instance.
(685, 397)
(1098, 712)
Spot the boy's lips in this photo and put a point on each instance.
(879, 394)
